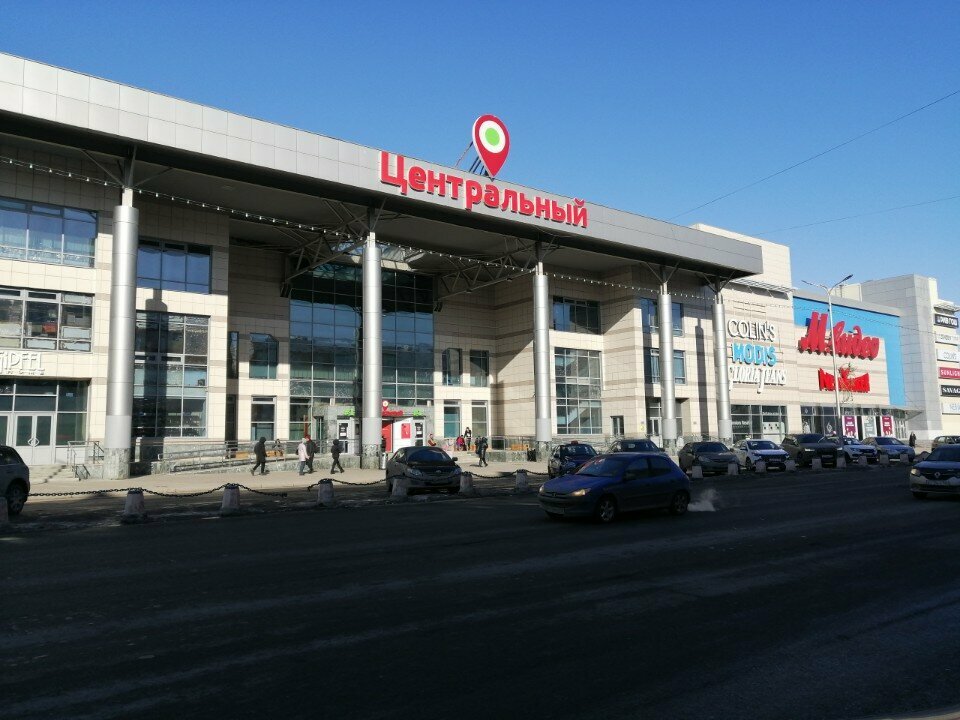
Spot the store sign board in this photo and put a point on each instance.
(948, 355)
(949, 321)
(950, 390)
(950, 408)
(859, 384)
(947, 338)
(13, 362)
(852, 344)
(753, 363)
(886, 425)
(949, 373)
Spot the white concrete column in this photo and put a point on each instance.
(371, 419)
(724, 421)
(541, 362)
(668, 403)
(123, 316)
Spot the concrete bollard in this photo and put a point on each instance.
(791, 465)
(760, 466)
(696, 472)
(904, 458)
(401, 486)
(466, 484)
(884, 460)
(325, 493)
(231, 500)
(733, 468)
(816, 464)
(523, 482)
(841, 462)
(134, 509)
(4, 514)
(862, 461)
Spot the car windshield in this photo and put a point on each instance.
(888, 441)
(428, 455)
(945, 454)
(810, 438)
(711, 447)
(633, 445)
(606, 466)
(761, 445)
(580, 451)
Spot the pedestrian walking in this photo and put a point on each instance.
(335, 454)
(311, 451)
(482, 450)
(302, 456)
(467, 438)
(913, 439)
(458, 443)
(260, 455)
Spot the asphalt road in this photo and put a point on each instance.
(812, 596)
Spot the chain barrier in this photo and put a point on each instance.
(78, 492)
(179, 495)
(260, 492)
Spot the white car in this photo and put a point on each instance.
(751, 450)
(853, 449)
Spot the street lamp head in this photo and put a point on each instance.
(845, 279)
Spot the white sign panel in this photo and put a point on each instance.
(753, 356)
(948, 355)
(950, 408)
(14, 362)
(948, 338)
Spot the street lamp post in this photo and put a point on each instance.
(833, 346)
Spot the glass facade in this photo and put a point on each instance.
(263, 418)
(264, 356)
(173, 266)
(66, 400)
(451, 363)
(479, 368)
(451, 418)
(759, 421)
(43, 320)
(579, 386)
(36, 232)
(651, 366)
(170, 375)
(326, 308)
(650, 316)
(574, 315)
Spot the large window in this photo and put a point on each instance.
(264, 356)
(479, 368)
(173, 266)
(479, 425)
(452, 364)
(170, 375)
(650, 314)
(42, 320)
(263, 418)
(760, 421)
(66, 398)
(574, 315)
(651, 366)
(579, 387)
(451, 418)
(233, 355)
(41, 233)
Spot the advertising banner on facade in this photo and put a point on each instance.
(949, 373)
(850, 425)
(949, 321)
(948, 355)
(886, 424)
(947, 338)
(950, 408)
(950, 390)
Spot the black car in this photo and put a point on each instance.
(634, 445)
(14, 479)
(805, 447)
(427, 468)
(568, 457)
(711, 456)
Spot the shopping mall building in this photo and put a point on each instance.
(175, 275)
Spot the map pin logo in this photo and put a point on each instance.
(492, 141)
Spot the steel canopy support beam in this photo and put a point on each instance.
(720, 360)
(541, 360)
(370, 426)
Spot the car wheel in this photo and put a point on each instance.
(606, 510)
(919, 495)
(453, 490)
(16, 497)
(389, 486)
(748, 463)
(679, 502)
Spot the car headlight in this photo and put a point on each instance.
(914, 471)
(579, 493)
(414, 472)
(542, 490)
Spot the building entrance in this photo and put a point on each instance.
(33, 438)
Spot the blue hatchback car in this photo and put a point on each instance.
(607, 485)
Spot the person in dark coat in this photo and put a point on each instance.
(335, 454)
(260, 454)
(311, 451)
(467, 439)
(913, 439)
(482, 450)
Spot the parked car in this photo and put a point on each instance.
(945, 440)
(568, 457)
(803, 448)
(891, 447)
(607, 485)
(712, 457)
(635, 445)
(427, 468)
(939, 474)
(853, 449)
(14, 479)
(751, 450)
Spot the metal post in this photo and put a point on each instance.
(668, 404)
(123, 315)
(833, 356)
(371, 423)
(541, 361)
(724, 421)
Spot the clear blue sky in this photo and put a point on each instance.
(651, 107)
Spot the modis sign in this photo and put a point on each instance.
(853, 344)
(753, 363)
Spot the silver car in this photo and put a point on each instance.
(853, 449)
(14, 479)
(752, 450)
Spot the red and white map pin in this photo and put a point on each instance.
(492, 141)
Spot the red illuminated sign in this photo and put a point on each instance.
(949, 373)
(859, 384)
(492, 142)
(420, 179)
(852, 344)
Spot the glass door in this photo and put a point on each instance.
(33, 438)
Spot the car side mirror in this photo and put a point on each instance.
(454, 459)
